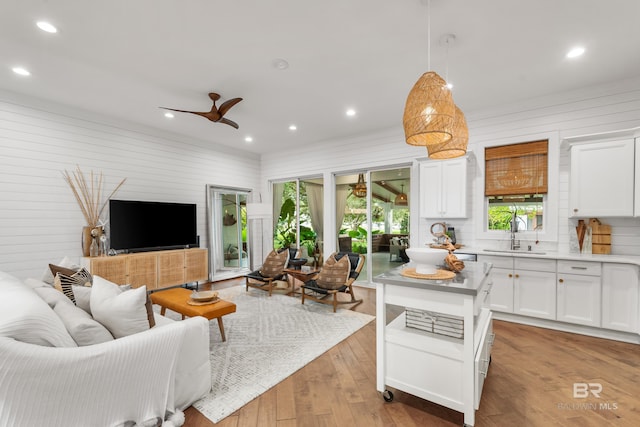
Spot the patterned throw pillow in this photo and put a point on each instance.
(65, 283)
(55, 269)
(334, 274)
(275, 263)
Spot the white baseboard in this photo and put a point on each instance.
(568, 327)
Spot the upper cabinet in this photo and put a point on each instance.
(602, 179)
(443, 188)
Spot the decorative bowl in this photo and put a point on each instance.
(426, 259)
(204, 296)
(296, 263)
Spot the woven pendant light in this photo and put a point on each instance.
(457, 145)
(401, 199)
(360, 190)
(429, 111)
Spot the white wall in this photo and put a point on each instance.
(40, 221)
(590, 110)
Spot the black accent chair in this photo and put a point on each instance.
(258, 280)
(313, 291)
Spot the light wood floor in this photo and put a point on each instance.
(530, 383)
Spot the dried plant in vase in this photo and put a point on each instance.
(88, 194)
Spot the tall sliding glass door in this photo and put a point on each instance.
(298, 216)
(372, 217)
(228, 231)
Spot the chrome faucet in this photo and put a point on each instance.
(515, 244)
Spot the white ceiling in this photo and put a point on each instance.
(126, 58)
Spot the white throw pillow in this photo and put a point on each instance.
(82, 328)
(26, 317)
(52, 296)
(35, 283)
(123, 313)
(82, 295)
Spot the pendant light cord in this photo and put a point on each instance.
(428, 35)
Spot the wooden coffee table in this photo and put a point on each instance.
(175, 299)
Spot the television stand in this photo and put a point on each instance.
(156, 270)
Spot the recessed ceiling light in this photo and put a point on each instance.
(293, 127)
(45, 26)
(169, 115)
(21, 71)
(280, 64)
(351, 112)
(450, 86)
(575, 52)
(248, 139)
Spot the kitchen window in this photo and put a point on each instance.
(516, 185)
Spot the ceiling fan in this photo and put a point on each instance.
(216, 114)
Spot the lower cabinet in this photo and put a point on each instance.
(525, 286)
(579, 289)
(502, 278)
(534, 287)
(534, 294)
(620, 297)
(590, 293)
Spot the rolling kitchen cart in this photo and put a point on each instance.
(439, 348)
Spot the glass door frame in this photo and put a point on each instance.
(367, 171)
(217, 269)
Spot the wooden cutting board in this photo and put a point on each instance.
(601, 237)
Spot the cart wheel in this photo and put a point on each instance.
(387, 396)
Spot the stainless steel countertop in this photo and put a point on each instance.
(467, 282)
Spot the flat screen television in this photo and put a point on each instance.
(137, 226)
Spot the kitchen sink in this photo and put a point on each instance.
(514, 251)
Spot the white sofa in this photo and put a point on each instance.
(46, 379)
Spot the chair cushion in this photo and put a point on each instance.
(334, 273)
(275, 263)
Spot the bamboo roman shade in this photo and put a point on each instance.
(516, 169)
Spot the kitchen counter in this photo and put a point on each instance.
(467, 282)
(624, 259)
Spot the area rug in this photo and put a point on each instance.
(268, 339)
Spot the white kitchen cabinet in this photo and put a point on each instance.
(502, 278)
(602, 179)
(443, 188)
(620, 297)
(534, 287)
(636, 207)
(579, 289)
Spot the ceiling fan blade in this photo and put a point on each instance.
(227, 105)
(179, 111)
(229, 122)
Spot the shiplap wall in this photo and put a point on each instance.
(40, 221)
(604, 108)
